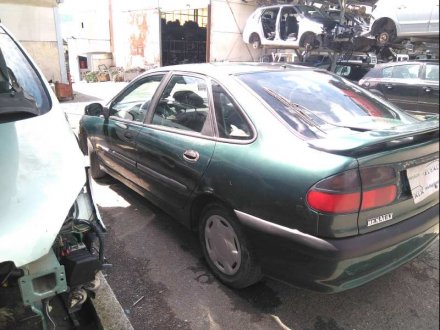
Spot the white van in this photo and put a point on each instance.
(49, 226)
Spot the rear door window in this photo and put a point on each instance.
(431, 72)
(409, 71)
(231, 122)
(22, 92)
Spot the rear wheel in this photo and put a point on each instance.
(386, 32)
(95, 170)
(226, 248)
(255, 41)
(308, 40)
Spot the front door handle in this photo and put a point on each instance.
(191, 156)
(389, 86)
(427, 89)
(128, 136)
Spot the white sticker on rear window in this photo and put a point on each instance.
(424, 180)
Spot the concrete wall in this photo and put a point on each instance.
(136, 33)
(228, 18)
(86, 28)
(34, 27)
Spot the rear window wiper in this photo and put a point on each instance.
(296, 108)
(309, 116)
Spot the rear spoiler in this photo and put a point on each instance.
(365, 143)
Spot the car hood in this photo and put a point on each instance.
(41, 174)
(373, 140)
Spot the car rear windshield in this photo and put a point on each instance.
(22, 93)
(317, 103)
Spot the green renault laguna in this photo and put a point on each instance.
(286, 172)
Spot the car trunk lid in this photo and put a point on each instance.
(411, 151)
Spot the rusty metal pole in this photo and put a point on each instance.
(335, 55)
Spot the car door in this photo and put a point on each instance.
(270, 26)
(175, 145)
(400, 85)
(127, 113)
(413, 16)
(429, 89)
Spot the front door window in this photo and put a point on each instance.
(183, 105)
(133, 106)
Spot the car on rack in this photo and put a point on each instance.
(49, 226)
(284, 171)
(411, 85)
(286, 26)
(397, 20)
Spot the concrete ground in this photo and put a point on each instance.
(162, 281)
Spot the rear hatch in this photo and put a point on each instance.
(398, 167)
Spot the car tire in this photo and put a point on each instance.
(95, 169)
(387, 34)
(308, 40)
(255, 41)
(226, 248)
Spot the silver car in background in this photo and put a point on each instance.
(396, 20)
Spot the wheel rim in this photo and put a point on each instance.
(222, 245)
(384, 37)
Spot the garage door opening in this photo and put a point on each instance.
(184, 36)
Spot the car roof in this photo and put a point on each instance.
(388, 64)
(222, 69)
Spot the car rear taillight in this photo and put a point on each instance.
(354, 191)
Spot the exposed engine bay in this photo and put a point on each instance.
(70, 268)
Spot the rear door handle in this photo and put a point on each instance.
(389, 86)
(427, 89)
(128, 135)
(191, 156)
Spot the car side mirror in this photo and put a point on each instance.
(96, 110)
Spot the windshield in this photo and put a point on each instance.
(312, 12)
(330, 101)
(22, 93)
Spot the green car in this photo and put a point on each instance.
(286, 172)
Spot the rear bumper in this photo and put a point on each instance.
(334, 265)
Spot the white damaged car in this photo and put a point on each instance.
(286, 26)
(50, 234)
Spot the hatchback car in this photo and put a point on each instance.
(396, 20)
(284, 171)
(413, 86)
(286, 26)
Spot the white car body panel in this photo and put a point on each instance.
(412, 18)
(41, 174)
(254, 25)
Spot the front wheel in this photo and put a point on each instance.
(95, 170)
(255, 41)
(226, 248)
(308, 41)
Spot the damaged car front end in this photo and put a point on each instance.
(51, 235)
